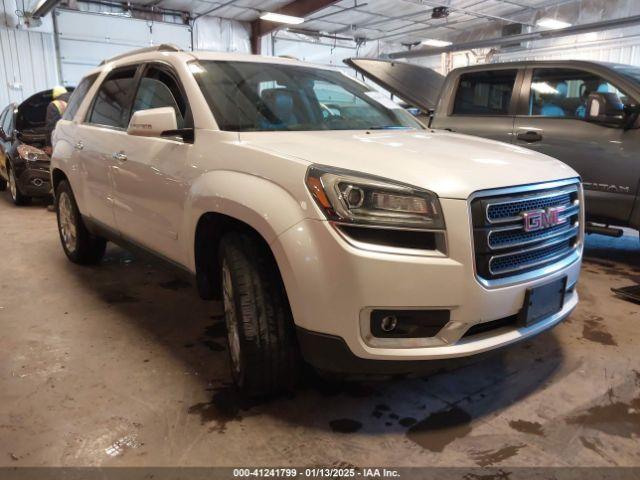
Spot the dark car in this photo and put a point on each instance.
(582, 113)
(24, 165)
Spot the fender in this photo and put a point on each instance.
(256, 201)
(62, 159)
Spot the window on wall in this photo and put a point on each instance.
(159, 89)
(563, 93)
(113, 100)
(485, 93)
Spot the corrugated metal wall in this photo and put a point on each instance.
(28, 57)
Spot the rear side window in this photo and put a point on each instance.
(485, 93)
(7, 121)
(77, 96)
(159, 89)
(113, 101)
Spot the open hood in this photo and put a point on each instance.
(418, 86)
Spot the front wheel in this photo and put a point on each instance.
(16, 195)
(260, 329)
(77, 242)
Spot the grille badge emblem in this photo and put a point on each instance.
(535, 220)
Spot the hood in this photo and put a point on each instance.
(418, 86)
(448, 164)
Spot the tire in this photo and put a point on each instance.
(260, 330)
(16, 195)
(78, 244)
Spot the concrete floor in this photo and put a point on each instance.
(122, 364)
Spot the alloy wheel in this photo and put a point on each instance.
(13, 187)
(67, 222)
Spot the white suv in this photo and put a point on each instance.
(335, 227)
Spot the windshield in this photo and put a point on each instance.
(247, 96)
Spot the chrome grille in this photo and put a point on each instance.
(502, 246)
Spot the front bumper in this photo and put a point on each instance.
(34, 180)
(332, 285)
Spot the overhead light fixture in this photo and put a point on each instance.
(432, 42)
(552, 23)
(280, 18)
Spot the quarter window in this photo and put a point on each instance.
(112, 104)
(485, 93)
(159, 89)
(77, 96)
(563, 93)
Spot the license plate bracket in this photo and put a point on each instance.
(542, 302)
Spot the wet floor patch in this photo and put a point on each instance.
(345, 425)
(616, 418)
(524, 426)
(440, 429)
(487, 458)
(594, 331)
(115, 297)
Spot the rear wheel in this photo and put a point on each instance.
(77, 242)
(16, 195)
(261, 336)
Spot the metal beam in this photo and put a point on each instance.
(43, 7)
(297, 8)
(524, 37)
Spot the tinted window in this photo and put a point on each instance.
(111, 106)
(247, 96)
(159, 89)
(7, 121)
(485, 93)
(77, 96)
(564, 92)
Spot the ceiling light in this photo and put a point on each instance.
(431, 42)
(552, 23)
(280, 18)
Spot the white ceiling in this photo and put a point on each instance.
(399, 21)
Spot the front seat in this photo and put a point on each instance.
(550, 109)
(279, 107)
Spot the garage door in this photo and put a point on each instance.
(85, 39)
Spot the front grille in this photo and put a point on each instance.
(502, 246)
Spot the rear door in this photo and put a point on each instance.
(481, 103)
(101, 136)
(148, 186)
(550, 120)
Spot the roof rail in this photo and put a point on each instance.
(163, 47)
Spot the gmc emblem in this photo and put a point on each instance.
(544, 218)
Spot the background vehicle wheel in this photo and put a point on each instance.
(261, 335)
(17, 196)
(78, 244)
(3, 184)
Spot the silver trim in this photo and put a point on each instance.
(556, 233)
(574, 256)
(524, 198)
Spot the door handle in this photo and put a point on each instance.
(119, 156)
(79, 146)
(529, 136)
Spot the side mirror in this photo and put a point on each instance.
(605, 109)
(152, 122)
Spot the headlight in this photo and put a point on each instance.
(354, 198)
(32, 154)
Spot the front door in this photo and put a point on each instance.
(148, 185)
(605, 157)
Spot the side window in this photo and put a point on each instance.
(7, 121)
(159, 89)
(111, 106)
(485, 93)
(77, 96)
(2, 118)
(563, 93)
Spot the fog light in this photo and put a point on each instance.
(388, 323)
